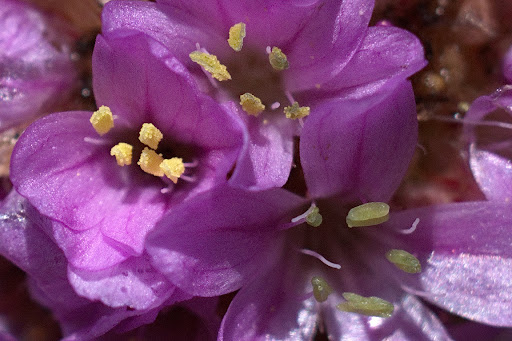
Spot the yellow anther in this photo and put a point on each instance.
(173, 168)
(102, 120)
(278, 59)
(314, 218)
(294, 111)
(150, 162)
(236, 36)
(369, 214)
(123, 153)
(251, 104)
(369, 306)
(321, 290)
(211, 64)
(404, 261)
(150, 135)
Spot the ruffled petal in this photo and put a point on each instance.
(23, 241)
(466, 257)
(278, 305)
(79, 184)
(213, 243)
(490, 157)
(387, 56)
(360, 148)
(267, 159)
(35, 68)
(133, 283)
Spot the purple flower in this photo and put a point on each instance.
(463, 249)
(97, 203)
(325, 51)
(35, 66)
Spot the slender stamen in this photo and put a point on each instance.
(320, 258)
(411, 229)
(98, 142)
(289, 97)
(188, 178)
(192, 164)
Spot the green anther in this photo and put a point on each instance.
(251, 104)
(211, 64)
(321, 290)
(278, 59)
(369, 306)
(404, 261)
(372, 213)
(295, 111)
(236, 36)
(314, 218)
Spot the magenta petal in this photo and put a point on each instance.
(411, 320)
(176, 29)
(133, 283)
(493, 174)
(327, 42)
(92, 194)
(387, 55)
(268, 22)
(141, 81)
(466, 254)
(212, 244)
(275, 306)
(267, 159)
(36, 70)
(360, 148)
(490, 146)
(23, 241)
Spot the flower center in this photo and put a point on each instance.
(352, 250)
(254, 77)
(150, 161)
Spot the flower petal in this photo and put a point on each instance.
(176, 29)
(23, 242)
(133, 283)
(360, 148)
(36, 70)
(466, 256)
(387, 56)
(268, 22)
(79, 184)
(327, 42)
(212, 244)
(266, 161)
(490, 156)
(275, 306)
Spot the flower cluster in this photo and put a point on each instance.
(251, 146)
